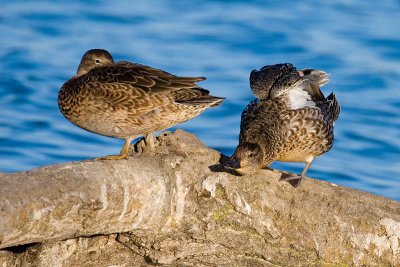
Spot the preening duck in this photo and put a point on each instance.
(290, 121)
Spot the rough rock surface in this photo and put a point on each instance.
(176, 207)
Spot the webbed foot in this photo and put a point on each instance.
(146, 143)
(124, 152)
(292, 180)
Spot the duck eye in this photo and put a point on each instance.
(97, 61)
(251, 154)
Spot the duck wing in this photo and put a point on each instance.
(183, 89)
(141, 76)
(131, 87)
(318, 76)
(297, 82)
(156, 72)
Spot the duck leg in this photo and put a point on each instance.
(299, 177)
(123, 154)
(149, 139)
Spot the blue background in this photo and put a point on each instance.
(357, 42)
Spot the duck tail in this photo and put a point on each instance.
(330, 108)
(197, 96)
(216, 101)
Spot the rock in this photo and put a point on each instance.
(176, 207)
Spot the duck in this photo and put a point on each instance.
(127, 100)
(289, 121)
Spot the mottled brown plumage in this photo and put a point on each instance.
(126, 100)
(262, 81)
(271, 80)
(292, 123)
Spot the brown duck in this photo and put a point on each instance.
(127, 100)
(291, 121)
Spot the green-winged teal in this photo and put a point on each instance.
(127, 100)
(291, 121)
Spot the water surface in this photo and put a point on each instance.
(357, 42)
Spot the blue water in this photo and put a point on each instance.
(357, 42)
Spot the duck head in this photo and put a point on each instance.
(92, 59)
(247, 159)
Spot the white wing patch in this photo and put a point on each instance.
(300, 98)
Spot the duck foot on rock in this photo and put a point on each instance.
(295, 180)
(145, 144)
(124, 152)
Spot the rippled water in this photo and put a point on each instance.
(357, 42)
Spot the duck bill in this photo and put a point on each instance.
(235, 165)
(240, 171)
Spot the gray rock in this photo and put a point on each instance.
(175, 207)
